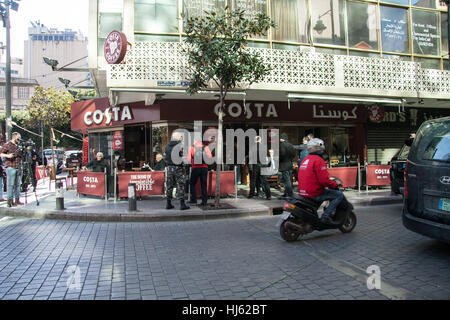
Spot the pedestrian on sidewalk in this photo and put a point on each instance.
(197, 155)
(176, 173)
(2, 176)
(13, 155)
(287, 154)
(258, 182)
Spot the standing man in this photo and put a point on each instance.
(287, 154)
(258, 182)
(13, 155)
(197, 155)
(176, 174)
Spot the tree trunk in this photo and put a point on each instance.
(219, 153)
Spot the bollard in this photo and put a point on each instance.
(59, 196)
(132, 197)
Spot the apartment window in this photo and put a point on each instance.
(425, 27)
(444, 34)
(109, 19)
(23, 93)
(156, 16)
(394, 29)
(362, 32)
(291, 18)
(328, 22)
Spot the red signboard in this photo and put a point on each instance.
(346, 174)
(40, 172)
(147, 183)
(226, 183)
(117, 140)
(378, 175)
(91, 183)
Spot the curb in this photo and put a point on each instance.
(162, 215)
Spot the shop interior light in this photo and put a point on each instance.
(294, 96)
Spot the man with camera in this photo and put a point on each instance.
(13, 155)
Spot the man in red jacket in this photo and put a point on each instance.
(197, 155)
(315, 178)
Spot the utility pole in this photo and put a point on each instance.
(8, 74)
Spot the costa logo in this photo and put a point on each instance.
(115, 47)
(110, 114)
(376, 113)
(381, 171)
(90, 179)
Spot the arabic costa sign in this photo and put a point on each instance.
(147, 183)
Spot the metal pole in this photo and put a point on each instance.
(367, 184)
(41, 126)
(235, 183)
(115, 184)
(106, 186)
(447, 2)
(8, 75)
(359, 176)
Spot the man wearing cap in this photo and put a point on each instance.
(287, 154)
(315, 179)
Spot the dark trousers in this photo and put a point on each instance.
(197, 173)
(265, 186)
(255, 180)
(286, 179)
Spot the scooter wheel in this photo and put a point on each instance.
(349, 223)
(287, 234)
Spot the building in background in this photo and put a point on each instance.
(16, 67)
(65, 46)
(21, 92)
(362, 75)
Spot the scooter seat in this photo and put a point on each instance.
(309, 202)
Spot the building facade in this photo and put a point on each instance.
(65, 46)
(21, 92)
(361, 75)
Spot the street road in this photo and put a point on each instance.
(241, 258)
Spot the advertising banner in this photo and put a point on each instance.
(378, 175)
(348, 175)
(117, 140)
(91, 183)
(40, 172)
(148, 183)
(226, 184)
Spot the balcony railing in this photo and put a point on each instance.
(163, 64)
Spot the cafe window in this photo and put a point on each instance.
(109, 19)
(394, 29)
(425, 32)
(291, 18)
(156, 16)
(328, 22)
(362, 32)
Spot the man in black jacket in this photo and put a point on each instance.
(287, 154)
(257, 181)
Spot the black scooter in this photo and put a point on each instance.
(300, 217)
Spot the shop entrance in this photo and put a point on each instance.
(137, 149)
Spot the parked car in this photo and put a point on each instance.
(73, 158)
(398, 163)
(426, 206)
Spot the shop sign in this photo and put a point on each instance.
(115, 47)
(117, 140)
(91, 183)
(318, 113)
(147, 183)
(411, 117)
(378, 175)
(261, 110)
(110, 114)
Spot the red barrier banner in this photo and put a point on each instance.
(148, 183)
(226, 184)
(40, 172)
(346, 174)
(378, 175)
(91, 183)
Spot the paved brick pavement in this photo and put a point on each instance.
(219, 259)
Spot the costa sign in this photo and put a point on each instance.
(115, 47)
(110, 114)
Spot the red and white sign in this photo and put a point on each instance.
(91, 183)
(346, 174)
(147, 183)
(40, 172)
(117, 140)
(378, 175)
(376, 113)
(115, 47)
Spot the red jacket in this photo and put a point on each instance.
(313, 177)
(192, 152)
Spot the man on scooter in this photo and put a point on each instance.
(314, 178)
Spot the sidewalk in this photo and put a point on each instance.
(87, 208)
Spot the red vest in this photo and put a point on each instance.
(313, 177)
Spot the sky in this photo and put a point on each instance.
(60, 14)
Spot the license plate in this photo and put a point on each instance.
(283, 217)
(444, 204)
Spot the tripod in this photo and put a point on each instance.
(28, 177)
